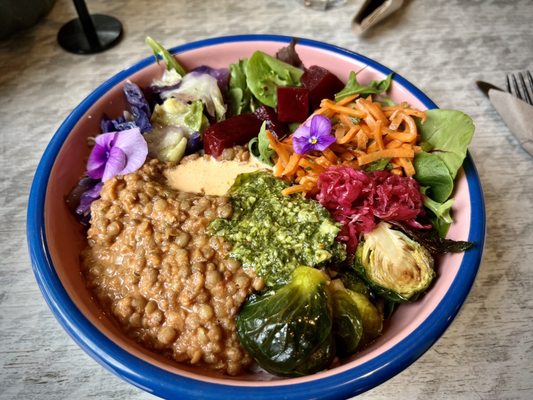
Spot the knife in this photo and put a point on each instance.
(485, 87)
(517, 114)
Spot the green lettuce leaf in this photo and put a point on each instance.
(174, 112)
(161, 52)
(432, 172)
(259, 147)
(239, 95)
(448, 132)
(354, 87)
(265, 73)
(442, 218)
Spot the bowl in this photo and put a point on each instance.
(55, 240)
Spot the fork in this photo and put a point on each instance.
(523, 92)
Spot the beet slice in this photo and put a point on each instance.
(274, 125)
(293, 104)
(231, 132)
(321, 83)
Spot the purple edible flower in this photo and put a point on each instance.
(117, 153)
(313, 134)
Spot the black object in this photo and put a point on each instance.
(485, 87)
(89, 34)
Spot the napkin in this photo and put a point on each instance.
(371, 12)
(517, 115)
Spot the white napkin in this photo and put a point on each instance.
(517, 115)
(362, 22)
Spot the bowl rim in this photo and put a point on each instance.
(166, 384)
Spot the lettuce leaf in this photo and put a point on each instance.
(177, 113)
(199, 86)
(161, 52)
(442, 218)
(167, 143)
(259, 147)
(265, 73)
(432, 172)
(239, 95)
(448, 133)
(354, 87)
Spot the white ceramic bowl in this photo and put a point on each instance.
(55, 241)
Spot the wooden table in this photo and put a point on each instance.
(442, 46)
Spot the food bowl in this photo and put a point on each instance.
(55, 240)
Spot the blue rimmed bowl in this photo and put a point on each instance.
(55, 241)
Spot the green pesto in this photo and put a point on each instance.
(274, 234)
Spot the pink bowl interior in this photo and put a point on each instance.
(65, 237)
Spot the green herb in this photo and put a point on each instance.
(259, 147)
(378, 165)
(274, 234)
(354, 87)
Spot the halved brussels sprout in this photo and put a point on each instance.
(356, 320)
(288, 330)
(347, 322)
(371, 317)
(395, 266)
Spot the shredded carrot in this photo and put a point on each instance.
(387, 153)
(347, 100)
(346, 110)
(365, 132)
(377, 135)
(348, 136)
(407, 166)
(291, 166)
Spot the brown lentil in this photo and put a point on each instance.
(152, 266)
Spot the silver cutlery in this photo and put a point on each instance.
(523, 92)
(514, 105)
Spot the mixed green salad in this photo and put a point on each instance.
(344, 222)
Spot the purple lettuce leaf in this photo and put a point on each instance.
(80, 198)
(139, 106)
(194, 143)
(115, 125)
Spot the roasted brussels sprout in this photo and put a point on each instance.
(371, 317)
(347, 323)
(395, 266)
(352, 281)
(288, 330)
(356, 320)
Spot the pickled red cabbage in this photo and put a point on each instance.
(359, 200)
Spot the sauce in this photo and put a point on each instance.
(274, 234)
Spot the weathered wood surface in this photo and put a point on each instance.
(442, 46)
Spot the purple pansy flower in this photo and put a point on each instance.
(117, 153)
(313, 134)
